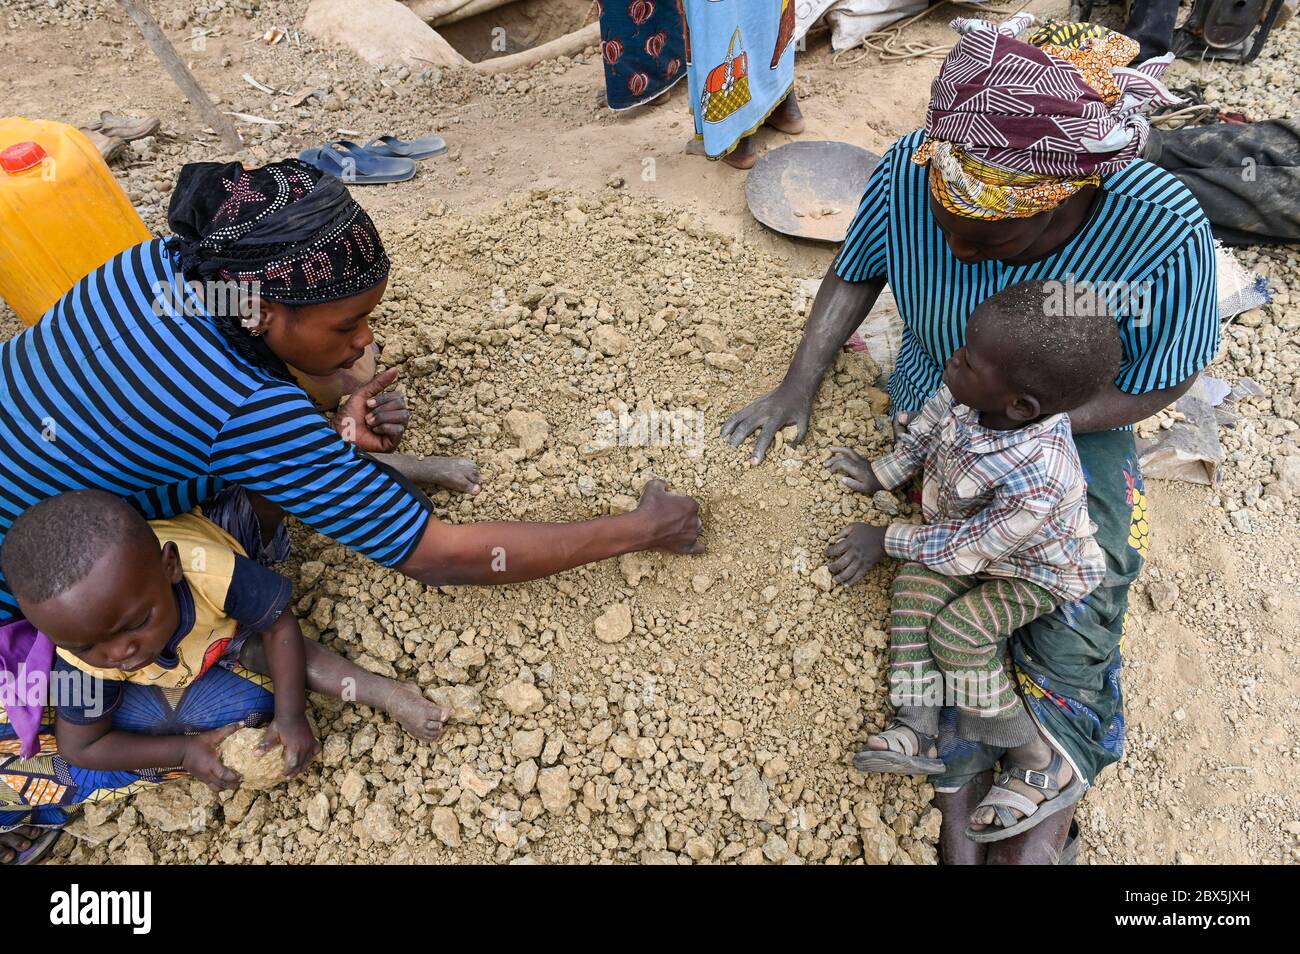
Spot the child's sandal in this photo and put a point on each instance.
(903, 756)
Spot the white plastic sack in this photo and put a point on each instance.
(851, 20)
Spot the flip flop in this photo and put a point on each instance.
(1002, 799)
(423, 148)
(355, 166)
(902, 757)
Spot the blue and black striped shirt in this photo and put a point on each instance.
(1147, 238)
(113, 391)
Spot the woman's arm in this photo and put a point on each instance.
(1169, 334)
(277, 446)
(851, 286)
(837, 311)
(1114, 408)
(495, 553)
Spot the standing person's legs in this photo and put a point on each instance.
(740, 58)
(786, 118)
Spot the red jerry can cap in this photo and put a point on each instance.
(21, 157)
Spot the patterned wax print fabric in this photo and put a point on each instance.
(740, 58)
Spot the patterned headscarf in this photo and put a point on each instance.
(1017, 126)
(286, 226)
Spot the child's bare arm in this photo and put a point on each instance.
(100, 746)
(907, 458)
(286, 661)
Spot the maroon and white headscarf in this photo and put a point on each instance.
(1012, 104)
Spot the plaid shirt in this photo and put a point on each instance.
(998, 503)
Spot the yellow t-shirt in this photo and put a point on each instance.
(219, 581)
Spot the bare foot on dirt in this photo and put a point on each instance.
(786, 117)
(416, 714)
(742, 157)
(455, 473)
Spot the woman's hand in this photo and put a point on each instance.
(674, 521)
(299, 741)
(860, 547)
(785, 405)
(374, 418)
(202, 758)
(856, 469)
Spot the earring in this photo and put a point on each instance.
(255, 332)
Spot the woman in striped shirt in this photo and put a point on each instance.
(162, 377)
(131, 384)
(1028, 169)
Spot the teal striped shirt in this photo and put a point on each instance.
(114, 392)
(1147, 235)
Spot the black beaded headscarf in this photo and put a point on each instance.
(289, 229)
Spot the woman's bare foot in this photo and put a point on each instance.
(1036, 756)
(15, 841)
(786, 117)
(455, 473)
(416, 714)
(742, 157)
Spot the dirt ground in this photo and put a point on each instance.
(565, 261)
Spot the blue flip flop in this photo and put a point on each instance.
(423, 148)
(356, 166)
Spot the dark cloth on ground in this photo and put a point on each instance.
(1246, 176)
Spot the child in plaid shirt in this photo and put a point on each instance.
(1006, 536)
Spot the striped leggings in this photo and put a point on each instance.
(947, 636)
